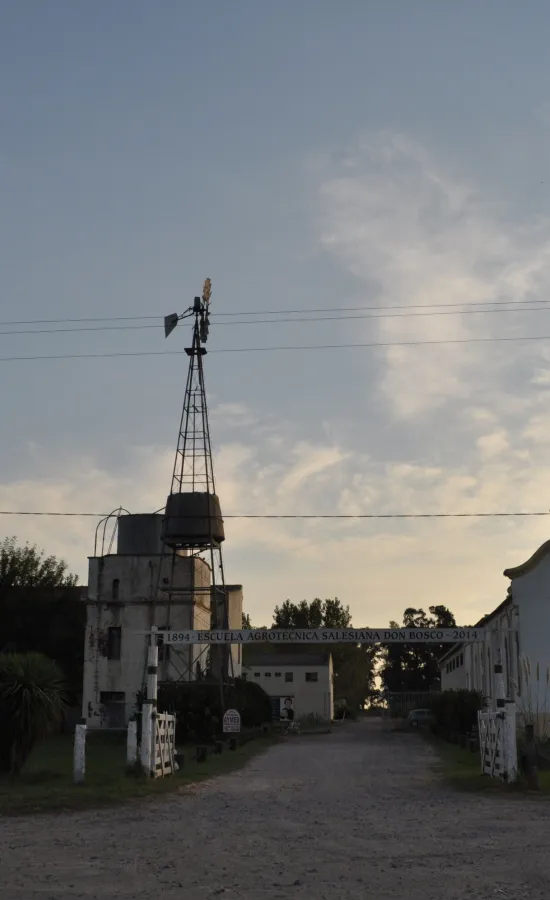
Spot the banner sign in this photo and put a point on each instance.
(327, 636)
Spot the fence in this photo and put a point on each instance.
(160, 760)
(165, 748)
(400, 703)
(498, 742)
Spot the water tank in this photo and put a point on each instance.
(140, 534)
(193, 520)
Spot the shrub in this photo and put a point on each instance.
(32, 701)
(456, 712)
(197, 706)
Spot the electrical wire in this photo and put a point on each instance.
(471, 515)
(403, 315)
(300, 347)
(277, 312)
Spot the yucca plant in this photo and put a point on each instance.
(32, 700)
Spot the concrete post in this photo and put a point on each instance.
(132, 744)
(510, 743)
(148, 715)
(145, 747)
(79, 757)
(500, 691)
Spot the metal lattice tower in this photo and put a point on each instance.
(193, 524)
(193, 469)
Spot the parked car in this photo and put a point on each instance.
(419, 718)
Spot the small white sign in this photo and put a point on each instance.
(231, 721)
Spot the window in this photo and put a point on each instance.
(267, 674)
(277, 674)
(256, 674)
(114, 588)
(312, 676)
(289, 676)
(114, 642)
(461, 659)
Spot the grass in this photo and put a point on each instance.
(461, 769)
(46, 782)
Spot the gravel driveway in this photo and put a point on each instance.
(355, 814)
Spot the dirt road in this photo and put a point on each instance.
(355, 814)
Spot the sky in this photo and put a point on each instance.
(376, 161)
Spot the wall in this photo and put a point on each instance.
(130, 607)
(531, 595)
(309, 697)
(234, 593)
(453, 671)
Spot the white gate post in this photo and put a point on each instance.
(131, 744)
(500, 690)
(510, 743)
(79, 756)
(149, 709)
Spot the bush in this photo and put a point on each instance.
(32, 702)
(455, 712)
(197, 706)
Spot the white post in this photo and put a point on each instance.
(510, 742)
(131, 744)
(148, 715)
(79, 757)
(145, 747)
(500, 690)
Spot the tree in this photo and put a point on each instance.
(246, 623)
(414, 667)
(40, 610)
(32, 700)
(26, 567)
(353, 664)
(317, 614)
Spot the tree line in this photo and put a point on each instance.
(365, 673)
(38, 614)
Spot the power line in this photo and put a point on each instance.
(278, 312)
(370, 344)
(472, 515)
(392, 315)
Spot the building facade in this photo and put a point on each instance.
(123, 604)
(517, 637)
(303, 682)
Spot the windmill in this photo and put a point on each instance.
(193, 524)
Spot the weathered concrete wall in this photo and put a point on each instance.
(235, 614)
(121, 592)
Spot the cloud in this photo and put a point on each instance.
(416, 231)
(377, 566)
(462, 428)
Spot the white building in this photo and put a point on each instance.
(296, 678)
(122, 605)
(517, 638)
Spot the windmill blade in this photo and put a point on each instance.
(170, 323)
(207, 291)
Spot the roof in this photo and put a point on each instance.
(254, 656)
(530, 564)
